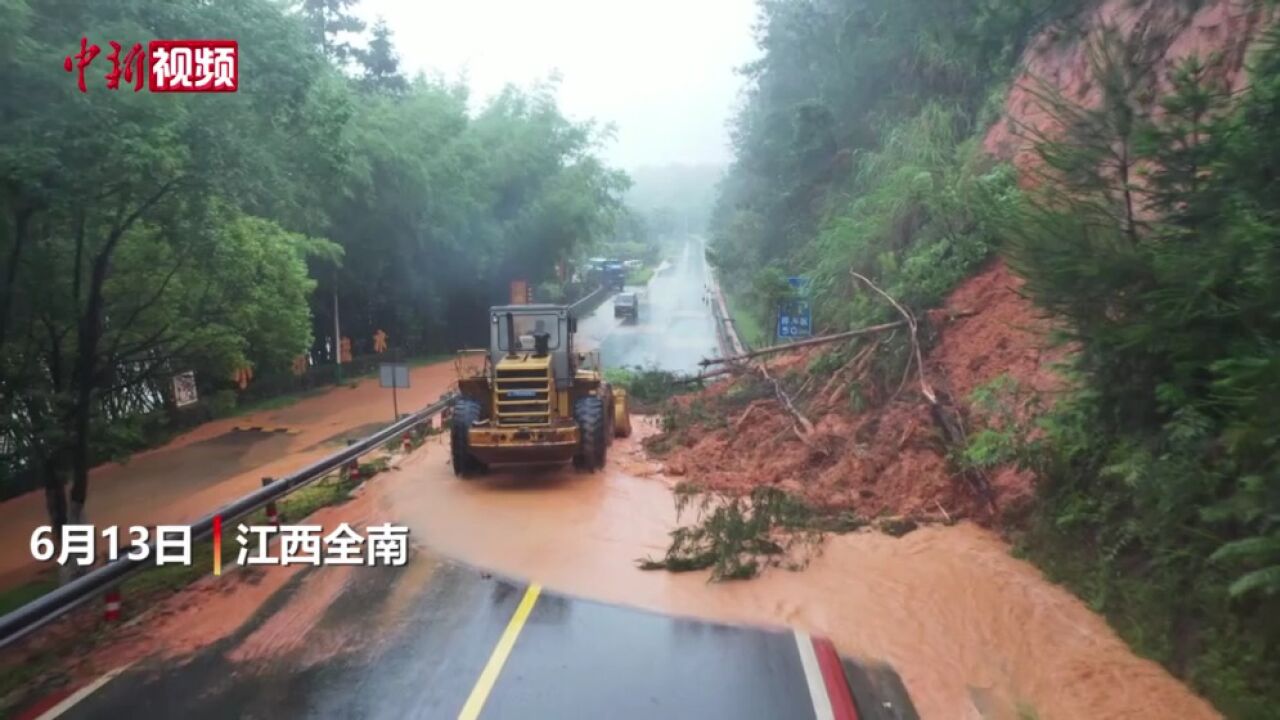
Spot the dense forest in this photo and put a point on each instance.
(146, 234)
(1149, 232)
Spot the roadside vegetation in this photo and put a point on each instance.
(26, 672)
(649, 388)
(146, 235)
(1149, 235)
(1161, 474)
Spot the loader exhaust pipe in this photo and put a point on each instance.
(511, 336)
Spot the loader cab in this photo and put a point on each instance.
(526, 334)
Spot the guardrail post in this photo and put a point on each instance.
(353, 467)
(111, 613)
(273, 515)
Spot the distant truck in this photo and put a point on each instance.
(627, 306)
(615, 275)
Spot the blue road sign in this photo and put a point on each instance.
(794, 317)
(794, 320)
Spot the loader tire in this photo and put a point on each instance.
(588, 412)
(465, 413)
(622, 416)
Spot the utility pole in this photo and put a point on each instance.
(395, 382)
(337, 329)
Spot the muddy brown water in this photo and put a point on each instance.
(973, 631)
(216, 463)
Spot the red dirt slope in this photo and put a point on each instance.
(889, 460)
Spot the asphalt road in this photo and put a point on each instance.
(470, 645)
(675, 328)
(437, 639)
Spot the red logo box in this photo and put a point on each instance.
(193, 65)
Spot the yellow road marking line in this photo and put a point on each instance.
(489, 676)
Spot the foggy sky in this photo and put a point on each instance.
(662, 71)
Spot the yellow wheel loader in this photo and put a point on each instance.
(533, 399)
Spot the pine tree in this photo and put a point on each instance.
(381, 63)
(1082, 240)
(325, 19)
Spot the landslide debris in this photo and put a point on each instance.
(879, 452)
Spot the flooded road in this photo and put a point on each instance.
(972, 631)
(218, 462)
(675, 328)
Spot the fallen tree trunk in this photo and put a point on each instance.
(703, 376)
(803, 343)
(871, 330)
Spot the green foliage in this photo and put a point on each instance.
(144, 235)
(917, 223)
(854, 152)
(737, 537)
(835, 83)
(651, 385)
(639, 276)
(1153, 235)
(1005, 413)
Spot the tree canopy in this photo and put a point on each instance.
(145, 235)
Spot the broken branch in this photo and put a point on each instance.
(915, 340)
(800, 421)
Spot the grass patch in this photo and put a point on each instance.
(277, 402)
(751, 329)
(639, 276)
(16, 597)
(329, 490)
(19, 676)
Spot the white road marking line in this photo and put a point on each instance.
(84, 692)
(813, 677)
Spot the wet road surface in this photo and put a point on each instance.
(435, 658)
(974, 632)
(217, 462)
(675, 328)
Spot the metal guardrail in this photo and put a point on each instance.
(592, 297)
(30, 617)
(726, 329)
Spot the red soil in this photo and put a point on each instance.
(889, 460)
(1059, 58)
